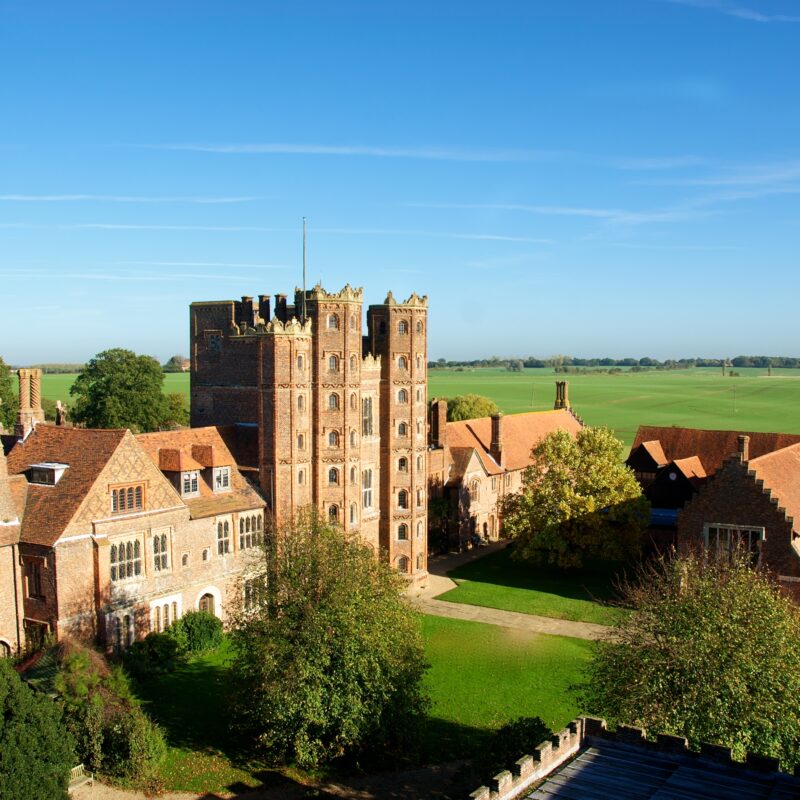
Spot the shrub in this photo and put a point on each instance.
(155, 654)
(134, 746)
(36, 749)
(197, 632)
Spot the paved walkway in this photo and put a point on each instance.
(424, 599)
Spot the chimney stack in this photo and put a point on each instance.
(744, 447)
(263, 307)
(496, 447)
(439, 423)
(280, 307)
(30, 411)
(562, 397)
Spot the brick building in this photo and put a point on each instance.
(340, 412)
(752, 502)
(475, 462)
(107, 536)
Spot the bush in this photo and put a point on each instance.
(155, 654)
(196, 632)
(134, 746)
(509, 743)
(36, 749)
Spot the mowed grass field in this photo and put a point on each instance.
(699, 397)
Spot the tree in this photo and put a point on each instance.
(36, 751)
(8, 398)
(118, 389)
(711, 652)
(470, 406)
(176, 410)
(175, 364)
(577, 502)
(328, 656)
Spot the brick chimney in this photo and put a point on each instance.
(248, 315)
(562, 397)
(744, 447)
(30, 411)
(280, 307)
(263, 307)
(496, 447)
(439, 423)
(8, 512)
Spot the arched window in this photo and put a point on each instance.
(353, 514)
(419, 327)
(157, 619)
(138, 497)
(247, 525)
(5, 650)
(301, 441)
(333, 475)
(301, 402)
(402, 362)
(366, 416)
(352, 438)
(419, 560)
(419, 427)
(352, 323)
(174, 611)
(352, 363)
(258, 523)
(402, 464)
(333, 402)
(353, 474)
(185, 560)
(333, 322)
(166, 615)
(419, 498)
(300, 361)
(402, 564)
(333, 513)
(419, 395)
(333, 439)
(353, 402)
(419, 463)
(402, 499)
(419, 530)
(301, 476)
(402, 532)
(366, 487)
(402, 396)
(130, 497)
(419, 362)
(333, 363)
(474, 491)
(402, 327)
(402, 429)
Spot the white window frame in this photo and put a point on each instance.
(222, 479)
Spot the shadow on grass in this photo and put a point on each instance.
(595, 583)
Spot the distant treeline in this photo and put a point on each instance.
(562, 363)
(58, 369)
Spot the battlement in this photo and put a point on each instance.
(292, 327)
(371, 363)
(586, 732)
(414, 301)
(348, 294)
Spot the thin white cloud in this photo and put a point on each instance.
(752, 175)
(656, 162)
(27, 274)
(733, 10)
(490, 237)
(204, 264)
(371, 151)
(119, 198)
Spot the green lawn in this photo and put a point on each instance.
(497, 581)
(699, 397)
(481, 676)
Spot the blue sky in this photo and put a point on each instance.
(591, 177)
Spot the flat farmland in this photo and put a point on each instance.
(700, 397)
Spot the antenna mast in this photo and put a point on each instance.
(304, 270)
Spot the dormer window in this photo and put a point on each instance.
(222, 479)
(190, 483)
(48, 473)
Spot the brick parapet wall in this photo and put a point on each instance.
(590, 731)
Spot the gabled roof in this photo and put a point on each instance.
(196, 449)
(461, 457)
(691, 468)
(711, 447)
(521, 432)
(780, 472)
(656, 452)
(49, 509)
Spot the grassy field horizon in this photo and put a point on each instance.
(699, 397)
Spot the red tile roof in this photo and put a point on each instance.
(656, 452)
(711, 447)
(691, 468)
(780, 472)
(49, 509)
(521, 432)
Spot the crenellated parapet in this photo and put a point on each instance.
(292, 327)
(371, 363)
(414, 301)
(348, 294)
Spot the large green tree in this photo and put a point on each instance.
(329, 658)
(119, 389)
(36, 751)
(8, 398)
(577, 502)
(711, 652)
(470, 406)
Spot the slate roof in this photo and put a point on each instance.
(610, 769)
(711, 447)
(520, 433)
(780, 472)
(49, 509)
